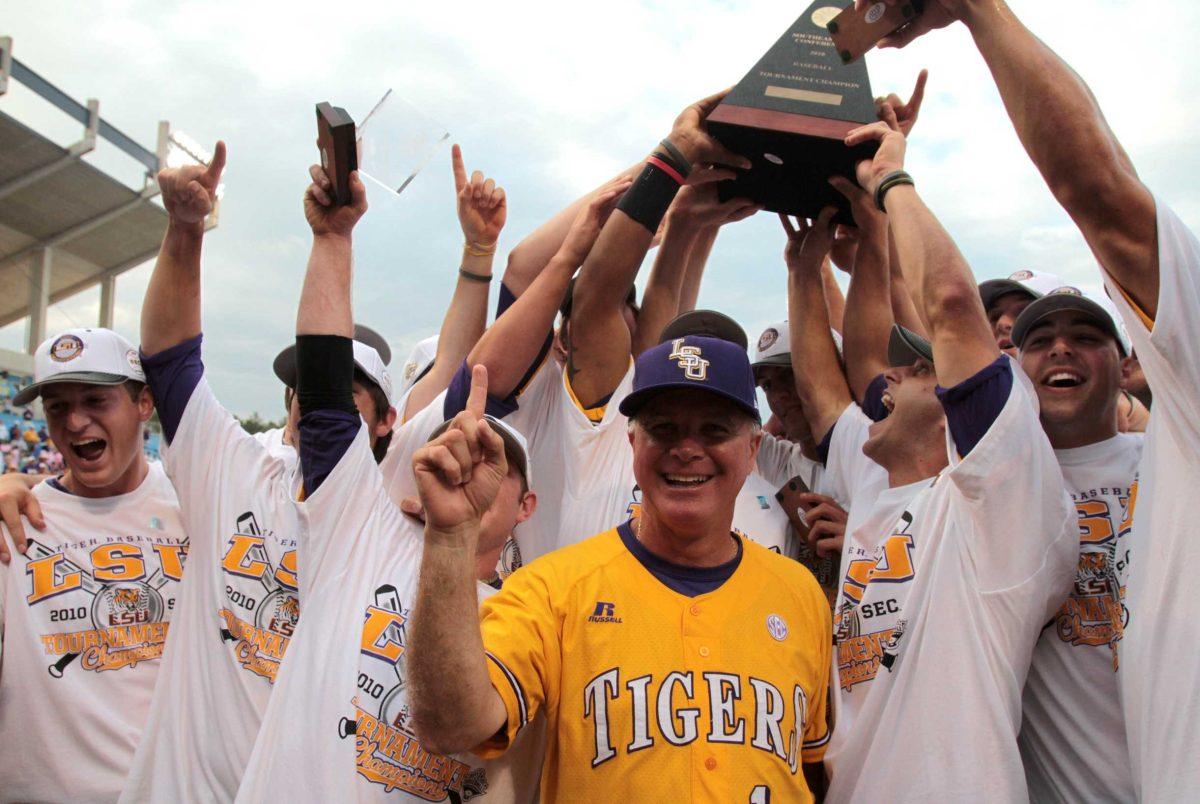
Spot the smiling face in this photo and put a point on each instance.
(916, 419)
(1076, 368)
(98, 429)
(1003, 314)
(779, 385)
(692, 451)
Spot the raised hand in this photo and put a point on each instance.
(591, 219)
(808, 243)
(690, 136)
(888, 159)
(189, 192)
(323, 215)
(905, 114)
(17, 499)
(937, 14)
(701, 207)
(459, 473)
(482, 206)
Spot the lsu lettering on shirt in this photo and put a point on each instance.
(1073, 737)
(1158, 670)
(938, 614)
(238, 608)
(652, 695)
(85, 616)
(338, 725)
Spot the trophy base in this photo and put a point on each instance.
(793, 157)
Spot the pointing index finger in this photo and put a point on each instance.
(212, 174)
(460, 171)
(477, 400)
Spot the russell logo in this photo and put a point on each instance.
(604, 613)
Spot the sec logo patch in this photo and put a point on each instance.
(777, 628)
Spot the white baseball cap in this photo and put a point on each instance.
(774, 347)
(1035, 284)
(92, 356)
(418, 362)
(516, 448)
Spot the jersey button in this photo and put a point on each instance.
(694, 609)
(710, 763)
(703, 651)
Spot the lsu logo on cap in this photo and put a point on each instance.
(688, 357)
(1020, 276)
(66, 348)
(1066, 290)
(410, 369)
(767, 339)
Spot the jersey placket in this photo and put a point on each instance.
(700, 631)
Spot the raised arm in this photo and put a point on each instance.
(511, 344)
(458, 475)
(820, 383)
(482, 212)
(692, 223)
(942, 286)
(868, 316)
(1065, 134)
(527, 260)
(171, 309)
(600, 345)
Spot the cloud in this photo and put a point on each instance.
(551, 99)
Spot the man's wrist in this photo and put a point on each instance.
(337, 239)
(981, 15)
(689, 149)
(188, 229)
(458, 538)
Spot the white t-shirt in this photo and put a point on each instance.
(407, 437)
(936, 627)
(84, 619)
(583, 470)
(273, 441)
(1073, 736)
(337, 727)
(1159, 672)
(237, 611)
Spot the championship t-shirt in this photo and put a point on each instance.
(338, 726)
(239, 603)
(85, 616)
(935, 625)
(1073, 736)
(1159, 673)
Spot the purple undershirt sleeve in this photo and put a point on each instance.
(173, 375)
(329, 420)
(872, 401)
(973, 405)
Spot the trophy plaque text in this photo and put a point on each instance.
(789, 117)
(339, 153)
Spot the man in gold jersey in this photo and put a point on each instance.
(671, 659)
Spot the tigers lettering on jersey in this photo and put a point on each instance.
(120, 593)
(753, 711)
(262, 608)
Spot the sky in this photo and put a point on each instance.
(550, 99)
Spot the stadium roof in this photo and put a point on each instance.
(63, 222)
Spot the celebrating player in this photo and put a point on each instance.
(339, 727)
(1073, 737)
(1151, 266)
(86, 602)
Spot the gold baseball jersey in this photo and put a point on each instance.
(653, 695)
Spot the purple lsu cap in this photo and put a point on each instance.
(694, 361)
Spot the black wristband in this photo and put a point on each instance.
(325, 373)
(474, 277)
(893, 179)
(647, 200)
(676, 158)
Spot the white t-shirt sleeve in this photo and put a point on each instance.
(407, 438)
(1169, 347)
(1014, 511)
(847, 468)
(211, 453)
